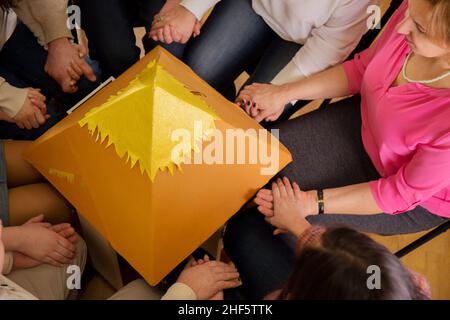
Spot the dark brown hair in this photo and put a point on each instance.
(4, 4)
(338, 270)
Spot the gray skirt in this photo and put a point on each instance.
(4, 208)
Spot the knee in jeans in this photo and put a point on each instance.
(118, 61)
(204, 68)
(242, 227)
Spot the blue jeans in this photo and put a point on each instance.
(22, 62)
(234, 39)
(12, 131)
(109, 28)
(264, 261)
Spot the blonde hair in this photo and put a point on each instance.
(439, 28)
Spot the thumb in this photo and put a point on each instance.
(82, 51)
(39, 218)
(279, 231)
(42, 108)
(197, 28)
(190, 262)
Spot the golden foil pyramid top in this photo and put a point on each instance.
(140, 120)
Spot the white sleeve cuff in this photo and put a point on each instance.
(180, 291)
(8, 263)
(198, 7)
(11, 98)
(290, 73)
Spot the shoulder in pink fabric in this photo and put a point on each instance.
(405, 129)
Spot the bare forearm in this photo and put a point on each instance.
(298, 228)
(12, 238)
(331, 83)
(21, 261)
(354, 199)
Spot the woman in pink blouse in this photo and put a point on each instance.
(378, 161)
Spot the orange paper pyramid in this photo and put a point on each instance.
(142, 160)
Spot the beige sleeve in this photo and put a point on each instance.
(138, 290)
(199, 7)
(11, 98)
(179, 291)
(332, 42)
(7, 263)
(47, 19)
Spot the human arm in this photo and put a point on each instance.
(203, 280)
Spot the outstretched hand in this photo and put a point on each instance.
(66, 64)
(42, 242)
(285, 206)
(208, 278)
(33, 113)
(262, 101)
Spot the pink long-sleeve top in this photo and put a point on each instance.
(405, 129)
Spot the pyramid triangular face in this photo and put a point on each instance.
(139, 121)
